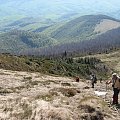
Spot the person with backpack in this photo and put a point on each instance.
(116, 87)
(77, 79)
(93, 79)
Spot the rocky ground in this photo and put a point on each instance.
(35, 96)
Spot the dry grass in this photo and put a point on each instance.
(69, 92)
(106, 25)
(93, 101)
(92, 108)
(45, 98)
(112, 60)
(44, 111)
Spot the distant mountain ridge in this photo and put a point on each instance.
(80, 34)
(54, 11)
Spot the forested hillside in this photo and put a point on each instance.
(80, 29)
(16, 41)
(102, 43)
(91, 33)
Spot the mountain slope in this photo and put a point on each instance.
(111, 59)
(15, 41)
(79, 34)
(83, 28)
(39, 96)
(63, 66)
(102, 43)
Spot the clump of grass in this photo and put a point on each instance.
(6, 91)
(66, 84)
(32, 83)
(8, 109)
(94, 116)
(87, 108)
(69, 92)
(93, 100)
(23, 112)
(88, 98)
(28, 78)
(53, 93)
(2, 73)
(45, 111)
(27, 111)
(17, 89)
(47, 97)
(92, 108)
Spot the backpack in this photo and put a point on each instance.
(95, 79)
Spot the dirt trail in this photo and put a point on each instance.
(35, 96)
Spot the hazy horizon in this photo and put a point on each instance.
(47, 12)
(58, 8)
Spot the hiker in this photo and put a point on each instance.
(93, 80)
(100, 80)
(116, 87)
(77, 79)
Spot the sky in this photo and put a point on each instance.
(57, 8)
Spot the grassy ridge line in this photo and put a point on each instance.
(56, 66)
(111, 59)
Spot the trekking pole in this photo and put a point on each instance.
(106, 91)
(106, 86)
